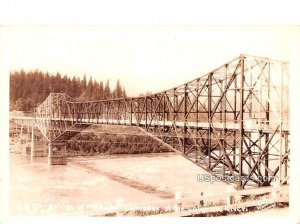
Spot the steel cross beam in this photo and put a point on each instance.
(233, 121)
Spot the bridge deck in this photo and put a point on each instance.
(249, 125)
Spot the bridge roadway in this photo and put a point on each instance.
(249, 125)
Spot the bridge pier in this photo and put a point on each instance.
(37, 147)
(32, 145)
(57, 154)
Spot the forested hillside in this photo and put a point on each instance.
(29, 89)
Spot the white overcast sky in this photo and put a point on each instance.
(144, 58)
(148, 45)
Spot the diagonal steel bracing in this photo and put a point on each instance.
(233, 121)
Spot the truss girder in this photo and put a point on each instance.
(232, 121)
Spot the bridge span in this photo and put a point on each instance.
(232, 121)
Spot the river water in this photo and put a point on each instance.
(94, 186)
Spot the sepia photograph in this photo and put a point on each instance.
(149, 120)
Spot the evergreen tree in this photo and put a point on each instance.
(83, 83)
(89, 89)
(95, 90)
(107, 91)
(101, 91)
(118, 90)
(57, 83)
(124, 93)
(79, 87)
(29, 89)
(74, 88)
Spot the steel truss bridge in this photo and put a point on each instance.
(232, 122)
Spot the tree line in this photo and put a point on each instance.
(92, 144)
(29, 89)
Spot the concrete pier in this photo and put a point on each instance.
(57, 154)
(32, 145)
(36, 148)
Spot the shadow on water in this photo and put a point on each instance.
(127, 181)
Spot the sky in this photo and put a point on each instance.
(143, 57)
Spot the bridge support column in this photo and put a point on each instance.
(241, 124)
(32, 145)
(57, 154)
(49, 153)
(36, 147)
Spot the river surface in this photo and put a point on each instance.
(95, 186)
